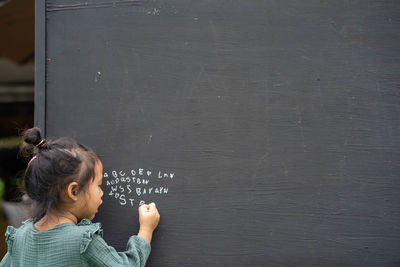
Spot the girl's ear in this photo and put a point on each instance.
(72, 191)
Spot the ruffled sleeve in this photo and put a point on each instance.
(92, 229)
(10, 235)
(95, 251)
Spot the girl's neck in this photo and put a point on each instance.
(52, 219)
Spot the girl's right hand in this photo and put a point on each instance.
(148, 217)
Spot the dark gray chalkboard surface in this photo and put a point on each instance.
(274, 125)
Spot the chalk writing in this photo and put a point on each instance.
(136, 186)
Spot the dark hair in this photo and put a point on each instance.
(57, 163)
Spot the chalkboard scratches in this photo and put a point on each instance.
(148, 140)
(300, 121)
(85, 5)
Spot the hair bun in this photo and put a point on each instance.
(33, 136)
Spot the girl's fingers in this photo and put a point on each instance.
(144, 208)
(148, 207)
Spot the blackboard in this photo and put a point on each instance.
(274, 125)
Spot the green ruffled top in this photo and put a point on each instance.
(69, 245)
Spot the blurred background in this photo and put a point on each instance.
(16, 105)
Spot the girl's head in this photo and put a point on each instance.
(60, 172)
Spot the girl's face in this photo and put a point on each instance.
(91, 197)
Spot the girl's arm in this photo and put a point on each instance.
(98, 253)
(148, 219)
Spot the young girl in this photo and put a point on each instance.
(63, 179)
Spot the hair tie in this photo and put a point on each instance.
(29, 163)
(41, 144)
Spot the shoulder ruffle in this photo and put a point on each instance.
(10, 235)
(92, 229)
(85, 222)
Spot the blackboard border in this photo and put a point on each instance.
(40, 65)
